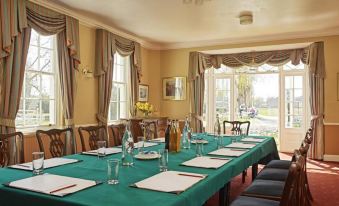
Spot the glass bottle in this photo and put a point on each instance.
(173, 138)
(127, 147)
(217, 129)
(167, 135)
(178, 143)
(185, 140)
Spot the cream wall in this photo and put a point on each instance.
(175, 63)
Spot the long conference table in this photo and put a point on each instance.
(92, 168)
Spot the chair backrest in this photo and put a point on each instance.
(136, 130)
(118, 131)
(93, 134)
(309, 136)
(6, 156)
(236, 127)
(54, 140)
(294, 192)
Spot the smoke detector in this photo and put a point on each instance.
(246, 18)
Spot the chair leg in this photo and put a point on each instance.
(244, 174)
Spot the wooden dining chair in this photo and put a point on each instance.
(118, 131)
(93, 134)
(235, 127)
(162, 126)
(152, 126)
(54, 140)
(6, 156)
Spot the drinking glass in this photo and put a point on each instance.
(199, 148)
(163, 160)
(113, 171)
(220, 142)
(38, 163)
(141, 143)
(101, 149)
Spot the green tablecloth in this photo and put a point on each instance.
(93, 169)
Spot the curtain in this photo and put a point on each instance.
(316, 64)
(107, 44)
(48, 22)
(14, 42)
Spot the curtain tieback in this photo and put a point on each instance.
(69, 122)
(102, 119)
(196, 116)
(7, 122)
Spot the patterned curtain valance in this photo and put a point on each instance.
(199, 61)
(48, 22)
(107, 44)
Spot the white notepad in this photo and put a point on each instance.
(146, 144)
(206, 162)
(108, 151)
(242, 145)
(48, 163)
(160, 140)
(229, 152)
(52, 184)
(252, 139)
(170, 181)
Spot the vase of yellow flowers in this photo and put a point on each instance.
(144, 107)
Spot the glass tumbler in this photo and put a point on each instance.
(220, 142)
(163, 160)
(199, 148)
(113, 171)
(141, 144)
(38, 163)
(101, 149)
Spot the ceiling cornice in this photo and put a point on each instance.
(90, 22)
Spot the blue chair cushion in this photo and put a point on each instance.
(265, 188)
(280, 164)
(273, 174)
(252, 201)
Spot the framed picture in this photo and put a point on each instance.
(143, 93)
(174, 88)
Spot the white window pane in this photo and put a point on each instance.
(34, 38)
(289, 66)
(47, 112)
(289, 95)
(119, 74)
(46, 41)
(47, 86)
(298, 82)
(32, 87)
(113, 111)
(32, 62)
(298, 94)
(45, 60)
(32, 112)
(288, 108)
(123, 109)
(289, 82)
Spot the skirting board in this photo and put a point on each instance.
(331, 158)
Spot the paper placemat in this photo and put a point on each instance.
(170, 181)
(146, 144)
(242, 145)
(252, 139)
(160, 140)
(108, 151)
(48, 163)
(206, 162)
(229, 152)
(55, 185)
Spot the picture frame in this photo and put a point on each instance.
(174, 88)
(143, 93)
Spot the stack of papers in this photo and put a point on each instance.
(242, 145)
(108, 151)
(206, 162)
(52, 184)
(229, 152)
(252, 139)
(54, 162)
(170, 181)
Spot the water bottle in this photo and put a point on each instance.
(127, 147)
(185, 140)
(217, 129)
(167, 135)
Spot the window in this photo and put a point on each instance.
(38, 100)
(119, 105)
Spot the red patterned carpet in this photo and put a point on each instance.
(323, 178)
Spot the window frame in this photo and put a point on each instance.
(57, 97)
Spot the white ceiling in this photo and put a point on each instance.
(171, 23)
